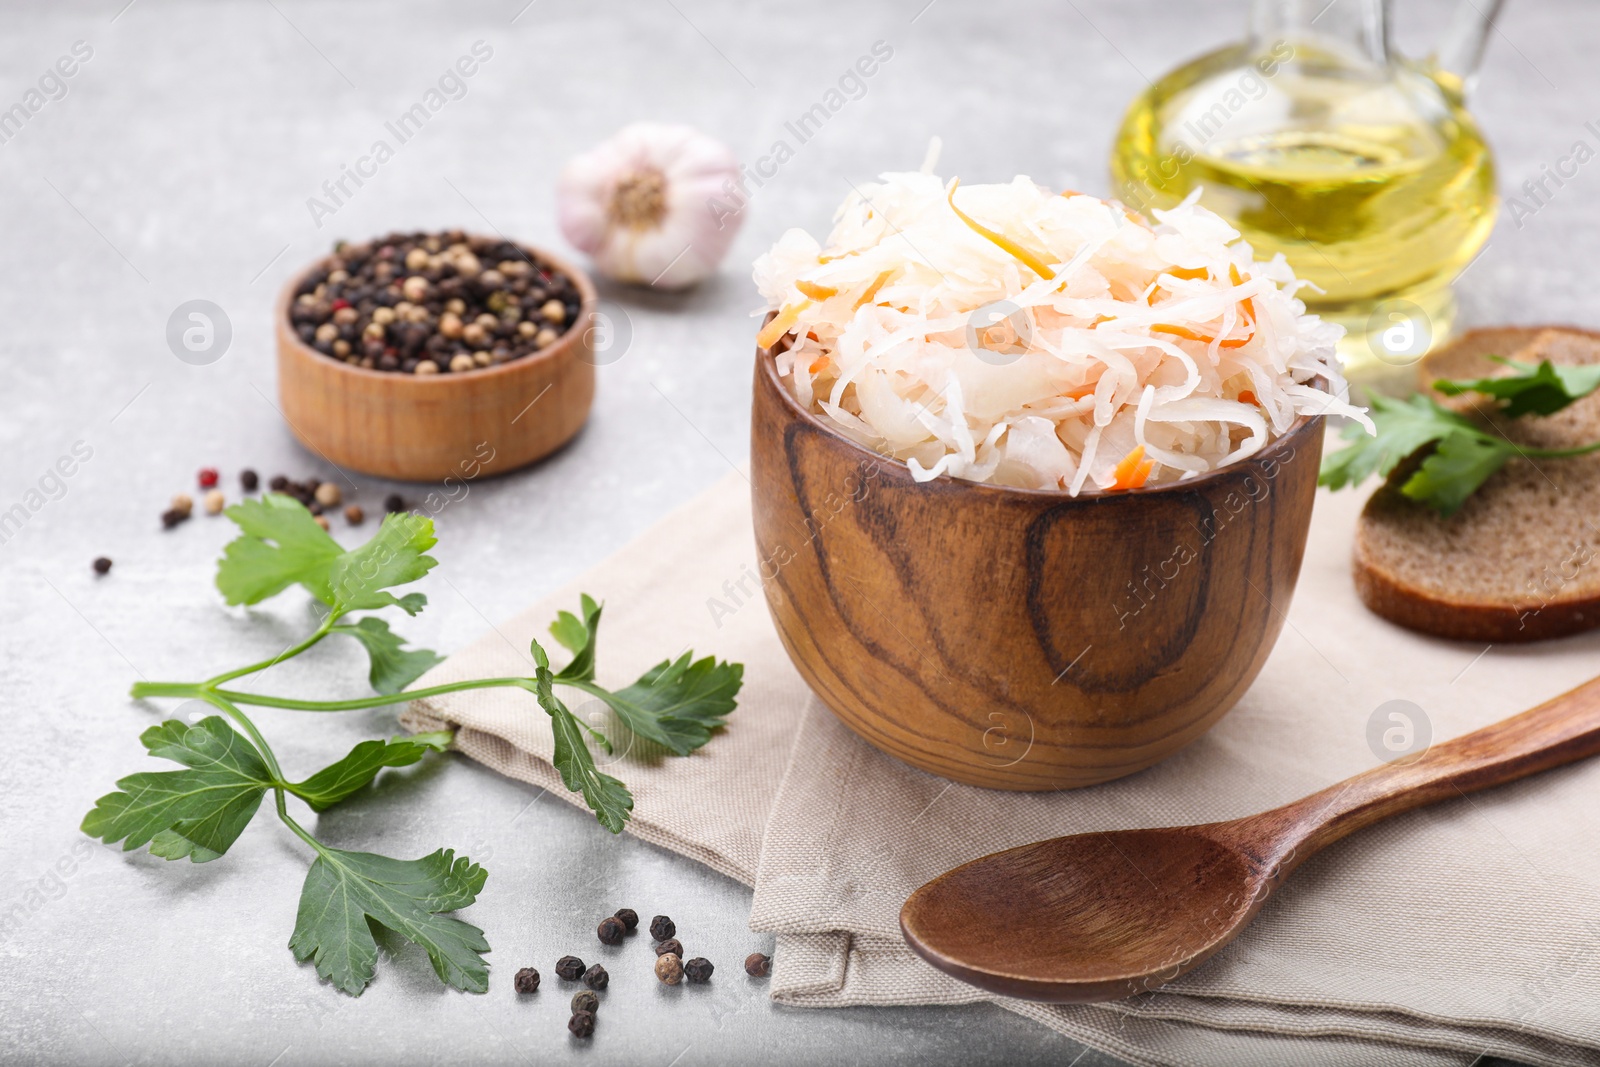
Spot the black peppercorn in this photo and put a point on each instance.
(596, 977)
(394, 502)
(569, 968)
(527, 980)
(581, 1024)
(278, 483)
(610, 930)
(662, 928)
(630, 919)
(249, 479)
(584, 1000)
(757, 965)
(672, 945)
(698, 969)
(102, 565)
(171, 517)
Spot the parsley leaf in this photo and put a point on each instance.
(345, 892)
(394, 556)
(1453, 471)
(578, 637)
(1541, 390)
(393, 667)
(608, 798)
(282, 545)
(1401, 427)
(197, 813)
(340, 780)
(677, 703)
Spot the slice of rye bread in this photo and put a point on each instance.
(1521, 560)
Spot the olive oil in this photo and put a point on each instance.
(1373, 181)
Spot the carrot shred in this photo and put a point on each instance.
(1189, 273)
(1247, 397)
(782, 324)
(1133, 470)
(1248, 303)
(1033, 262)
(818, 363)
(872, 290)
(1190, 335)
(815, 291)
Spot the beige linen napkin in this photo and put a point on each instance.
(1469, 928)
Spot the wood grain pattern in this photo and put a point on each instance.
(428, 428)
(1021, 639)
(1109, 915)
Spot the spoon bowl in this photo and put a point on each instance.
(1101, 916)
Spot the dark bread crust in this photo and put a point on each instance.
(1425, 574)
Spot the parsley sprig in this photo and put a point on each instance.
(1458, 454)
(197, 813)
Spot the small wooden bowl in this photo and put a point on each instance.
(427, 428)
(1022, 639)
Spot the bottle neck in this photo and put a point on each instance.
(1356, 29)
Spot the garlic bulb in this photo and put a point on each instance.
(650, 204)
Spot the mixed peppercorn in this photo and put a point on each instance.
(441, 303)
(670, 966)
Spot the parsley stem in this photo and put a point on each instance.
(378, 701)
(1560, 453)
(288, 653)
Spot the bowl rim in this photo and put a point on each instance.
(589, 301)
(766, 359)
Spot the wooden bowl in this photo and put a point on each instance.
(1021, 639)
(427, 428)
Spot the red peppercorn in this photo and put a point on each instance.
(340, 303)
(208, 477)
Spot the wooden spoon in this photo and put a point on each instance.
(1106, 915)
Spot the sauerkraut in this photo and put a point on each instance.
(1009, 334)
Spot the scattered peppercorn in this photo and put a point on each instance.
(596, 977)
(249, 480)
(669, 968)
(527, 980)
(629, 917)
(585, 1000)
(672, 945)
(611, 930)
(208, 477)
(354, 515)
(581, 1024)
(569, 968)
(322, 522)
(183, 504)
(758, 965)
(102, 565)
(278, 483)
(394, 502)
(171, 517)
(662, 928)
(328, 495)
(698, 969)
(214, 501)
(432, 304)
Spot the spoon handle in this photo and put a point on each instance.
(1557, 732)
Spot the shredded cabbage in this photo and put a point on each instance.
(1005, 334)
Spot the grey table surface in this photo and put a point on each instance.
(178, 165)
